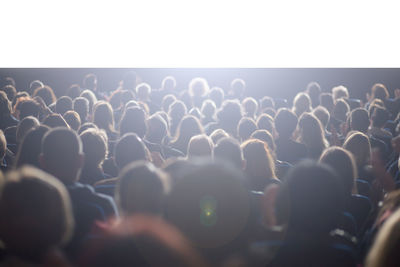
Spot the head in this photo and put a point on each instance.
(359, 120)
(81, 106)
(168, 83)
(55, 120)
(250, 107)
(301, 104)
(27, 107)
(167, 101)
(198, 87)
(311, 133)
(323, 115)
(103, 116)
(358, 144)
(208, 108)
(285, 123)
(31, 147)
(74, 91)
(228, 149)
(177, 110)
(265, 136)
(266, 102)
(130, 148)
(326, 100)
(218, 134)
(87, 125)
(73, 119)
(95, 147)
(142, 188)
(229, 115)
(46, 93)
(246, 127)
(63, 104)
(343, 162)
(200, 146)
(238, 86)
(188, 127)
(10, 91)
(24, 126)
(36, 213)
(62, 154)
(379, 91)
(91, 97)
(266, 122)
(379, 117)
(143, 91)
(157, 129)
(314, 90)
(217, 95)
(339, 92)
(5, 105)
(35, 85)
(3, 146)
(341, 110)
(134, 120)
(90, 82)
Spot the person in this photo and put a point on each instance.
(46, 93)
(312, 135)
(143, 92)
(167, 101)
(10, 91)
(176, 112)
(3, 151)
(217, 95)
(198, 89)
(91, 97)
(188, 127)
(246, 127)
(200, 146)
(133, 121)
(6, 118)
(62, 156)
(208, 112)
(217, 135)
(73, 119)
(55, 120)
(74, 91)
(250, 107)
(301, 104)
(228, 117)
(27, 107)
(323, 116)
(103, 117)
(314, 91)
(81, 106)
(35, 218)
(266, 122)
(237, 89)
(286, 148)
(379, 118)
(339, 92)
(228, 149)
(63, 104)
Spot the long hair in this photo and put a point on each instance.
(312, 134)
(103, 116)
(359, 145)
(188, 127)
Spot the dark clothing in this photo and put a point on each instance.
(290, 151)
(165, 151)
(92, 176)
(7, 121)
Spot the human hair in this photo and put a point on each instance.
(168, 83)
(229, 115)
(95, 147)
(133, 121)
(359, 145)
(218, 134)
(200, 146)
(323, 115)
(46, 93)
(314, 90)
(359, 120)
(198, 87)
(267, 102)
(142, 188)
(266, 122)
(326, 100)
(103, 116)
(87, 125)
(74, 91)
(30, 147)
(34, 85)
(188, 127)
(73, 119)
(246, 127)
(301, 104)
(167, 102)
(379, 91)
(238, 87)
(228, 149)
(312, 135)
(81, 106)
(157, 129)
(379, 117)
(24, 126)
(143, 91)
(208, 108)
(36, 213)
(130, 148)
(5, 105)
(341, 109)
(27, 107)
(339, 92)
(217, 95)
(90, 81)
(10, 91)
(91, 97)
(250, 107)
(285, 122)
(63, 104)
(176, 112)
(266, 137)
(384, 251)
(343, 162)
(62, 154)
(3, 145)
(260, 165)
(55, 120)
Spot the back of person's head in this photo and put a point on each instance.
(90, 81)
(157, 129)
(339, 92)
(143, 91)
(35, 213)
(200, 146)
(260, 165)
(55, 120)
(310, 199)
(4, 81)
(301, 104)
(133, 121)
(198, 87)
(87, 125)
(62, 154)
(314, 90)
(30, 147)
(285, 122)
(195, 112)
(5, 105)
(323, 115)
(168, 83)
(217, 95)
(142, 188)
(91, 97)
(266, 137)
(238, 86)
(228, 149)
(46, 93)
(73, 119)
(167, 101)
(311, 133)
(188, 127)
(218, 134)
(81, 106)
(326, 100)
(177, 110)
(267, 102)
(95, 148)
(359, 145)
(246, 127)
(10, 91)
(3, 145)
(343, 162)
(130, 148)
(266, 122)
(24, 126)
(208, 108)
(63, 104)
(74, 91)
(103, 116)
(341, 109)
(35, 85)
(28, 107)
(384, 251)
(359, 120)
(379, 117)
(379, 91)
(250, 107)
(229, 115)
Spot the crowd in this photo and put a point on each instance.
(197, 176)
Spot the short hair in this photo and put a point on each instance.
(359, 145)
(322, 114)
(3, 145)
(74, 91)
(218, 134)
(341, 109)
(246, 127)
(238, 86)
(301, 103)
(250, 106)
(167, 102)
(36, 212)
(379, 117)
(133, 120)
(198, 87)
(267, 102)
(157, 128)
(34, 85)
(230, 114)
(5, 104)
(200, 146)
(103, 116)
(87, 125)
(28, 107)
(7, 81)
(340, 92)
(63, 104)
(73, 119)
(143, 89)
(46, 93)
(314, 90)
(217, 95)
(94, 145)
(326, 100)
(359, 120)
(266, 137)
(91, 97)
(142, 188)
(177, 110)
(10, 91)
(90, 81)
(379, 91)
(208, 108)
(228, 149)
(129, 148)
(55, 120)
(168, 81)
(285, 122)
(266, 122)
(24, 126)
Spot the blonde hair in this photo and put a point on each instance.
(339, 92)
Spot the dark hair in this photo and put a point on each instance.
(28, 107)
(63, 104)
(314, 90)
(46, 93)
(3, 145)
(229, 115)
(81, 106)
(74, 91)
(133, 121)
(90, 81)
(188, 127)
(55, 120)
(229, 149)
(10, 91)
(167, 102)
(326, 100)
(103, 116)
(128, 149)
(266, 122)
(266, 137)
(359, 120)
(217, 95)
(157, 129)
(379, 91)
(266, 102)
(246, 127)
(94, 145)
(379, 117)
(30, 147)
(5, 105)
(285, 122)
(73, 119)
(24, 126)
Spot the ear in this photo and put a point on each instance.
(42, 161)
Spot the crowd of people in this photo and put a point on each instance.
(197, 176)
